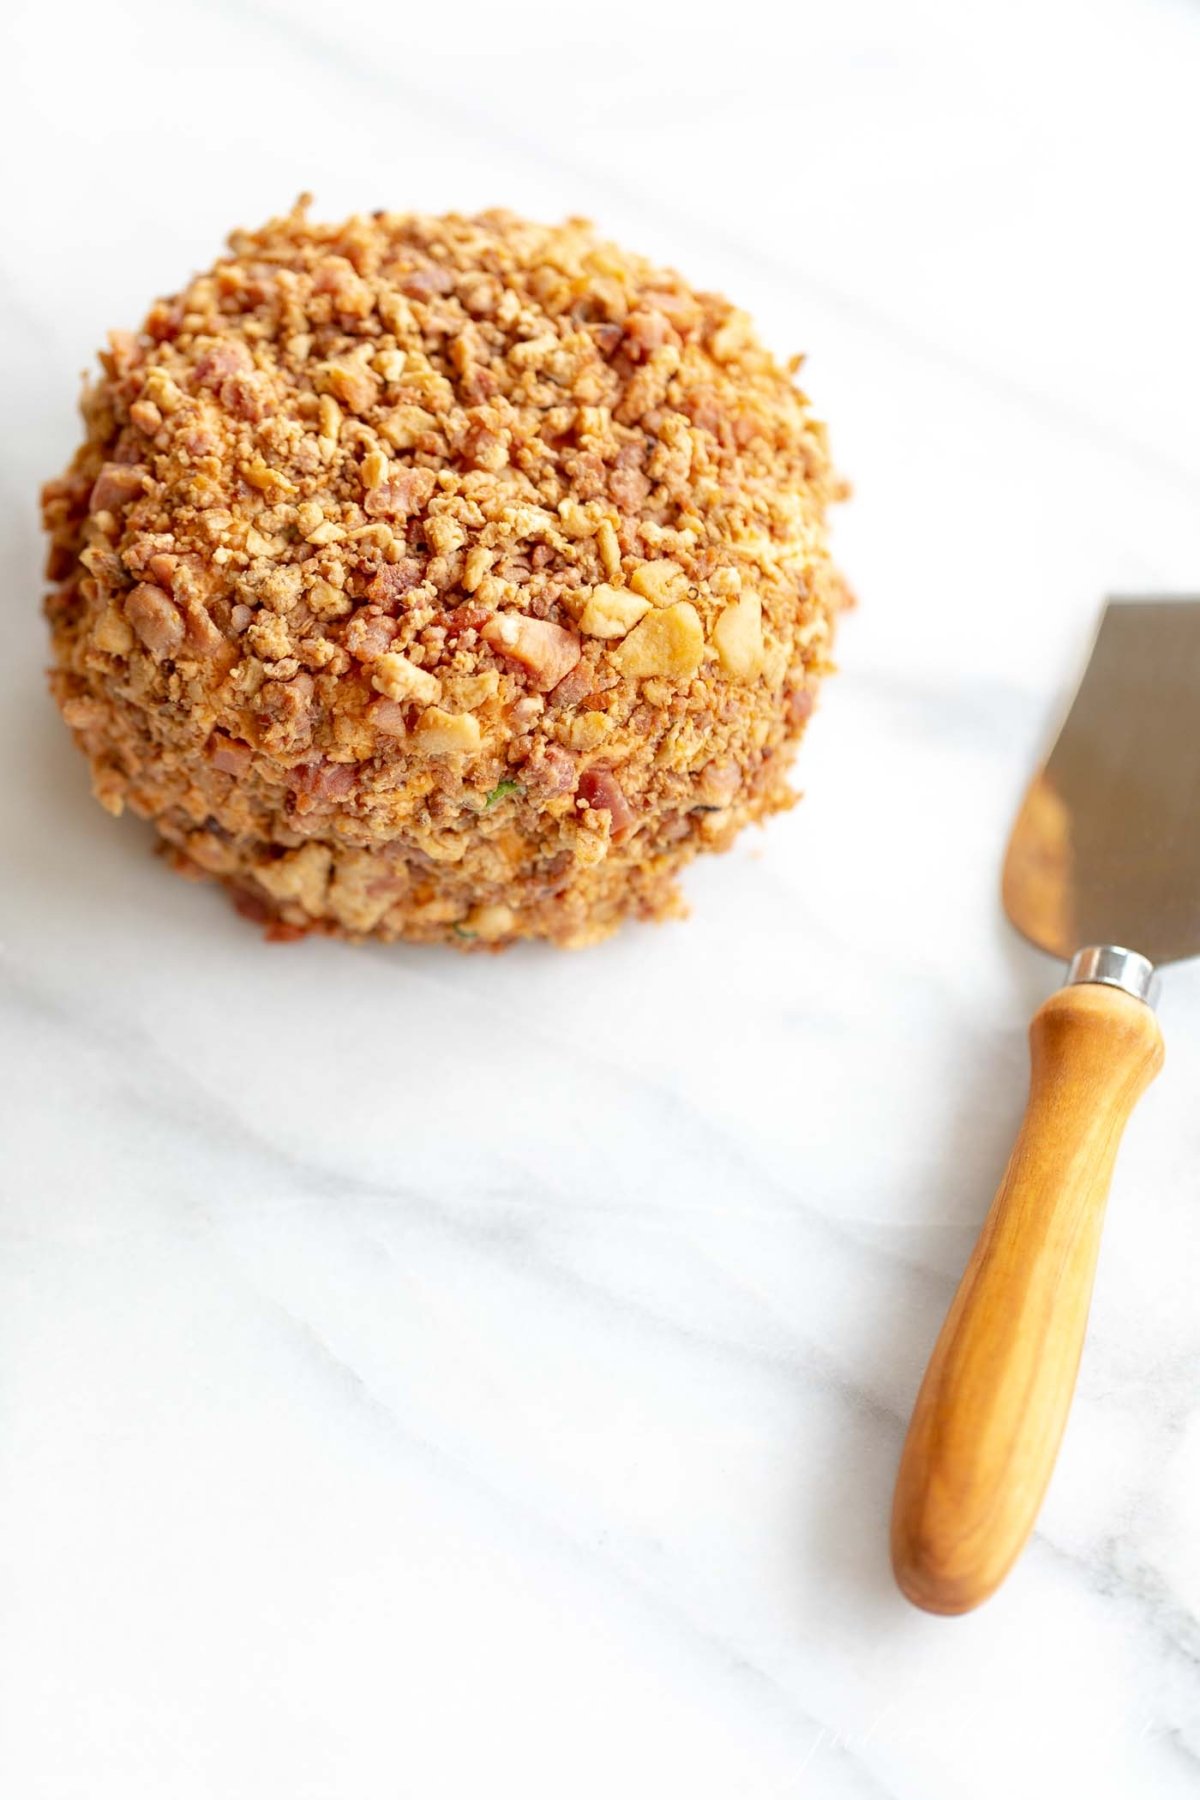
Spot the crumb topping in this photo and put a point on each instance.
(442, 577)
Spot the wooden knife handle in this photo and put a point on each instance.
(993, 1405)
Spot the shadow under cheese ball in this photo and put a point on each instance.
(452, 579)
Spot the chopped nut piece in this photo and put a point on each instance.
(546, 651)
(738, 638)
(610, 550)
(669, 643)
(393, 675)
(660, 582)
(490, 922)
(330, 415)
(405, 424)
(375, 466)
(111, 633)
(610, 612)
(352, 383)
(479, 561)
(260, 475)
(447, 734)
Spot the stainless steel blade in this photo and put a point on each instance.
(1106, 846)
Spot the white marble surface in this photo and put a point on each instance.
(425, 1378)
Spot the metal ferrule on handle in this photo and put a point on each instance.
(1108, 965)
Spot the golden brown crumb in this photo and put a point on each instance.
(441, 578)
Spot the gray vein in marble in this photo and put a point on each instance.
(1142, 1593)
(218, 1121)
(655, 1600)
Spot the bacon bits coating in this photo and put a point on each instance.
(449, 579)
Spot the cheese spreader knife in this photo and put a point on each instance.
(1103, 868)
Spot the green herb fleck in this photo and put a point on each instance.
(462, 932)
(501, 791)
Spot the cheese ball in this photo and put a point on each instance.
(441, 578)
